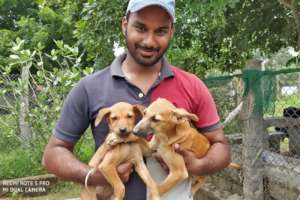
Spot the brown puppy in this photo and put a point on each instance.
(120, 146)
(170, 125)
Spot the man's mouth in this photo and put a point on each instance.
(147, 52)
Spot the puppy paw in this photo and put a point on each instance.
(113, 140)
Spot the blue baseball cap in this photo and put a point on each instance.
(137, 5)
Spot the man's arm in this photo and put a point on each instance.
(216, 159)
(59, 159)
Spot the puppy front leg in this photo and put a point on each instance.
(143, 172)
(131, 138)
(113, 139)
(99, 155)
(88, 193)
(109, 171)
(177, 169)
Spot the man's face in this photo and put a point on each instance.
(148, 34)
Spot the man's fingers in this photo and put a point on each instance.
(181, 151)
(125, 170)
(125, 167)
(104, 192)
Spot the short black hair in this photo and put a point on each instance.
(127, 16)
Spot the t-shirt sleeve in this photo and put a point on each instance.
(205, 108)
(74, 117)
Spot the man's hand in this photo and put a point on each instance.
(216, 159)
(124, 171)
(105, 191)
(191, 161)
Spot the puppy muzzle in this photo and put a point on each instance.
(140, 133)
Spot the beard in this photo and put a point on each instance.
(133, 50)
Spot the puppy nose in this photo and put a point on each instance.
(135, 131)
(139, 133)
(123, 130)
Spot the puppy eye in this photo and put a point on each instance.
(154, 119)
(114, 118)
(129, 116)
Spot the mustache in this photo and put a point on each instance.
(147, 48)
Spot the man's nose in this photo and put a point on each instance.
(149, 41)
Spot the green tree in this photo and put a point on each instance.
(12, 10)
(219, 34)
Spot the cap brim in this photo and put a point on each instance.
(152, 3)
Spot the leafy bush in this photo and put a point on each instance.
(45, 91)
(20, 163)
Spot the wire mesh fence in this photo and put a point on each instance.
(265, 133)
(29, 108)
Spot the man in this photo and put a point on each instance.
(139, 77)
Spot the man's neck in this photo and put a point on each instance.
(141, 76)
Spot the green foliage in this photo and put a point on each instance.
(263, 25)
(85, 148)
(37, 22)
(6, 38)
(20, 163)
(7, 134)
(47, 91)
(12, 10)
(212, 34)
(98, 29)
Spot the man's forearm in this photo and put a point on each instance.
(59, 160)
(62, 163)
(217, 158)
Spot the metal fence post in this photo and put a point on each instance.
(25, 129)
(253, 136)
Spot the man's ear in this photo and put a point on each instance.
(172, 31)
(103, 113)
(181, 115)
(124, 25)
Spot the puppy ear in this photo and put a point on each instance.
(103, 113)
(181, 114)
(139, 110)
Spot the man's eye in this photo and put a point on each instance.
(140, 28)
(162, 32)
